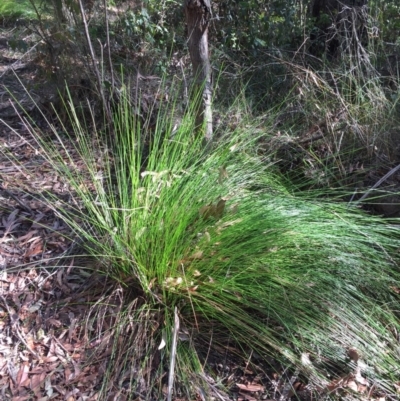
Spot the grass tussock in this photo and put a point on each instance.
(243, 258)
(330, 118)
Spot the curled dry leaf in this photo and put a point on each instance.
(353, 354)
(207, 211)
(212, 210)
(219, 209)
(223, 174)
(163, 342)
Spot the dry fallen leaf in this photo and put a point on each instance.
(250, 387)
(207, 211)
(352, 385)
(223, 174)
(36, 382)
(22, 375)
(353, 354)
(359, 379)
(163, 341)
(246, 397)
(219, 209)
(211, 210)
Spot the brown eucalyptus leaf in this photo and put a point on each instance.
(250, 387)
(219, 209)
(223, 174)
(207, 211)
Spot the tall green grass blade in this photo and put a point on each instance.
(219, 235)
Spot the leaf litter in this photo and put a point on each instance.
(45, 349)
(55, 336)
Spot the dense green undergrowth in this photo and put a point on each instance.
(224, 235)
(11, 10)
(244, 257)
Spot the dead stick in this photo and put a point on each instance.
(173, 355)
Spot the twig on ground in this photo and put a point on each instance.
(173, 355)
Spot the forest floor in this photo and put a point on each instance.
(47, 351)
(48, 344)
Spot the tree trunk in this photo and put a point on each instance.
(58, 11)
(198, 14)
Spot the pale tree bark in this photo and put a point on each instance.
(198, 15)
